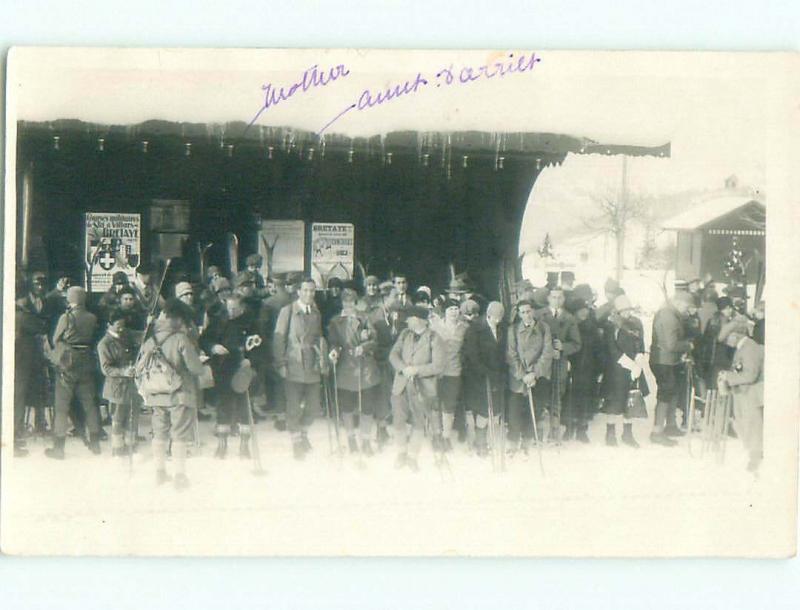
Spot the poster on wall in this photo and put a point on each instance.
(113, 243)
(281, 244)
(332, 251)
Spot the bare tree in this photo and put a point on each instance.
(615, 212)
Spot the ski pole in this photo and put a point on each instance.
(325, 397)
(360, 416)
(492, 432)
(258, 469)
(336, 408)
(535, 431)
(131, 435)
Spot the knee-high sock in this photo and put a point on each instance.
(160, 454)
(470, 426)
(179, 456)
(349, 423)
(447, 424)
(661, 416)
(365, 426)
(415, 441)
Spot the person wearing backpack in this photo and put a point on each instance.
(166, 376)
(75, 364)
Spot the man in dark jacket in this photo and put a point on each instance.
(330, 301)
(566, 342)
(715, 355)
(484, 373)
(30, 372)
(667, 356)
(381, 321)
(268, 318)
(226, 341)
(584, 368)
(110, 299)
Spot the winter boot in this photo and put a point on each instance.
(298, 449)
(94, 443)
(181, 481)
(673, 430)
(555, 430)
(611, 435)
(627, 436)
(222, 446)
(659, 438)
(162, 477)
(569, 432)
(481, 446)
(57, 451)
(382, 436)
(580, 434)
(244, 446)
(280, 424)
(306, 443)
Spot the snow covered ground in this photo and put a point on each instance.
(592, 500)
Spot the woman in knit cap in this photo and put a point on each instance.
(353, 341)
(451, 329)
(625, 349)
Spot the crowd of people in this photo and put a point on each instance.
(384, 365)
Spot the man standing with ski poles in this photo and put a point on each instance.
(352, 341)
(529, 355)
(418, 357)
(297, 343)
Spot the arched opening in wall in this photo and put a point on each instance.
(600, 216)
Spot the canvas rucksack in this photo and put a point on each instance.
(155, 375)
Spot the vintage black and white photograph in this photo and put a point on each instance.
(382, 303)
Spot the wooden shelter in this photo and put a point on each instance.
(707, 232)
(419, 201)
